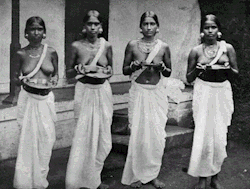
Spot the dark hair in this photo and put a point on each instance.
(33, 19)
(149, 14)
(94, 13)
(212, 18)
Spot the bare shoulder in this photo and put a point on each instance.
(76, 44)
(132, 43)
(108, 45)
(229, 47)
(197, 48)
(51, 50)
(164, 45)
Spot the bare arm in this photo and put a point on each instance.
(192, 72)
(110, 55)
(232, 59)
(167, 61)
(70, 66)
(128, 59)
(54, 60)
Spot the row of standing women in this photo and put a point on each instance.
(147, 61)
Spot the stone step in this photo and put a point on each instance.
(176, 137)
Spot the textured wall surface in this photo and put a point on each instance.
(5, 40)
(179, 27)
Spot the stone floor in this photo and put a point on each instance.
(235, 172)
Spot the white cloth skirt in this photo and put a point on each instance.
(36, 116)
(212, 112)
(92, 140)
(148, 107)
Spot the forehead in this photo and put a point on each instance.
(210, 23)
(93, 19)
(35, 25)
(148, 20)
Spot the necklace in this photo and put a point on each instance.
(91, 46)
(146, 46)
(34, 53)
(210, 51)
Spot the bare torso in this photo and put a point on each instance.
(151, 75)
(47, 69)
(212, 75)
(84, 53)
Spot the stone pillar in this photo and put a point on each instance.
(14, 46)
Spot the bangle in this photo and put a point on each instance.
(76, 68)
(166, 69)
(130, 66)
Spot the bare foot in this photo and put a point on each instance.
(136, 184)
(157, 183)
(216, 185)
(202, 184)
(103, 186)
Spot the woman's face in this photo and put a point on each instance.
(35, 32)
(92, 26)
(210, 30)
(149, 27)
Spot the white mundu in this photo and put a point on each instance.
(36, 116)
(92, 141)
(148, 107)
(212, 112)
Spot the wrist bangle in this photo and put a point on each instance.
(166, 69)
(76, 68)
(130, 66)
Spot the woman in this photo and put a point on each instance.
(210, 64)
(36, 115)
(91, 64)
(146, 60)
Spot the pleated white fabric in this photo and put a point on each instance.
(212, 112)
(92, 140)
(148, 116)
(36, 115)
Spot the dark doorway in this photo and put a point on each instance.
(75, 10)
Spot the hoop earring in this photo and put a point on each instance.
(26, 36)
(83, 30)
(202, 34)
(219, 34)
(44, 35)
(157, 30)
(100, 30)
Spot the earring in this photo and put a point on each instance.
(140, 30)
(26, 35)
(44, 35)
(202, 35)
(157, 30)
(83, 30)
(100, 30)
(219, 34)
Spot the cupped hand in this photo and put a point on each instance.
(82, 69)
(136, 65)
(201, 66)
(107, 70)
